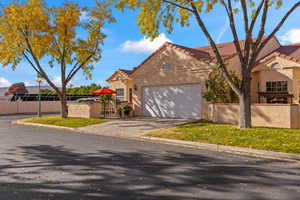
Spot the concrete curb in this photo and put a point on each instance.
(20, 122)
(196, 145)
(222, 148)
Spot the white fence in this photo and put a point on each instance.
(28, 107)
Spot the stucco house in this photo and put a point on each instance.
(171, 81)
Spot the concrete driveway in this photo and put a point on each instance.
(133, 127)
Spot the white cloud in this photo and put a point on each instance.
(144, 45)
(57, 81)
(292, 36)
(4, 82)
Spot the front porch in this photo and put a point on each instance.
(276, 82)
(275, 97)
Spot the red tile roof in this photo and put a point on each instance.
(196, 53)
(289, 52)
(227, 51)
(204, 54)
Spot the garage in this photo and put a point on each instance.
(176, 101)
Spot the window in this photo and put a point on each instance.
(166, 66)
(120, 94)
(275, 65)
(277, 86)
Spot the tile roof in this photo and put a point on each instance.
(227, 51)
(126, 71)
(289, 52)
(196, 53)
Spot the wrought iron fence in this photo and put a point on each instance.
(47, 97)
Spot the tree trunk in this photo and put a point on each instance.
(245, 105)
(63, 101)
(64, 107)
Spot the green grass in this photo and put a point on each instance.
(272, 139)
(68, 122)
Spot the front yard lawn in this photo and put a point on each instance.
(272, 139)
(68, 122)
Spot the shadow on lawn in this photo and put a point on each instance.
(54, 172)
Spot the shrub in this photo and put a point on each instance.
(218, 90)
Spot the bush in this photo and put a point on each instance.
(218, 89)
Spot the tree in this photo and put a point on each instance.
(86, 89)
(82, 90)
(48, 37)
(105, 99)
(218, 90)
(156, 13)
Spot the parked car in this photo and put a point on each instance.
(90, 99)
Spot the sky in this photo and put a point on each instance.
(125, 47)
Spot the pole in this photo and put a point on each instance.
(40, 106)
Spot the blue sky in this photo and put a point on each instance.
(126, 48)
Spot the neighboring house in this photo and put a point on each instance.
(31, 90)
(171, 81)
(121, 82)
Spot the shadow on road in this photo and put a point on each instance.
(54, 172)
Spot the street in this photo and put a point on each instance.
(39, 164)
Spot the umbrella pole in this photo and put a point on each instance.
(116, 110)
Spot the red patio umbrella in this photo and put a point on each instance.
(104, 91)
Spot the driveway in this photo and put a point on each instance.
(39, 164)
(132, 127)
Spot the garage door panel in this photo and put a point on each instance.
(182, 101)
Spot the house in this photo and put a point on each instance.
(122, 83)
(171, 81)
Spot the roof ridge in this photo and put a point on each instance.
(276, 52)
(229, 42)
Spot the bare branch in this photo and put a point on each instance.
(257, 12)
(248, 43)
(229, 11)
(73, 68)
(31, 63)
(279, 25)
(72, 74)
(262, 26)
(178, 5)
(245, 15)
(40, 69)
(220, 61)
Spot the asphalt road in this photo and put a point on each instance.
(44, 164)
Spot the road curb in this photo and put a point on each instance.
(20, 122)
(196, 145)
(227, 149)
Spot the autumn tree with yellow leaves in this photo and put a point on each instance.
(153, 14)
(47, 39)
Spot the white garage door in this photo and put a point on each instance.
(179, 101)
